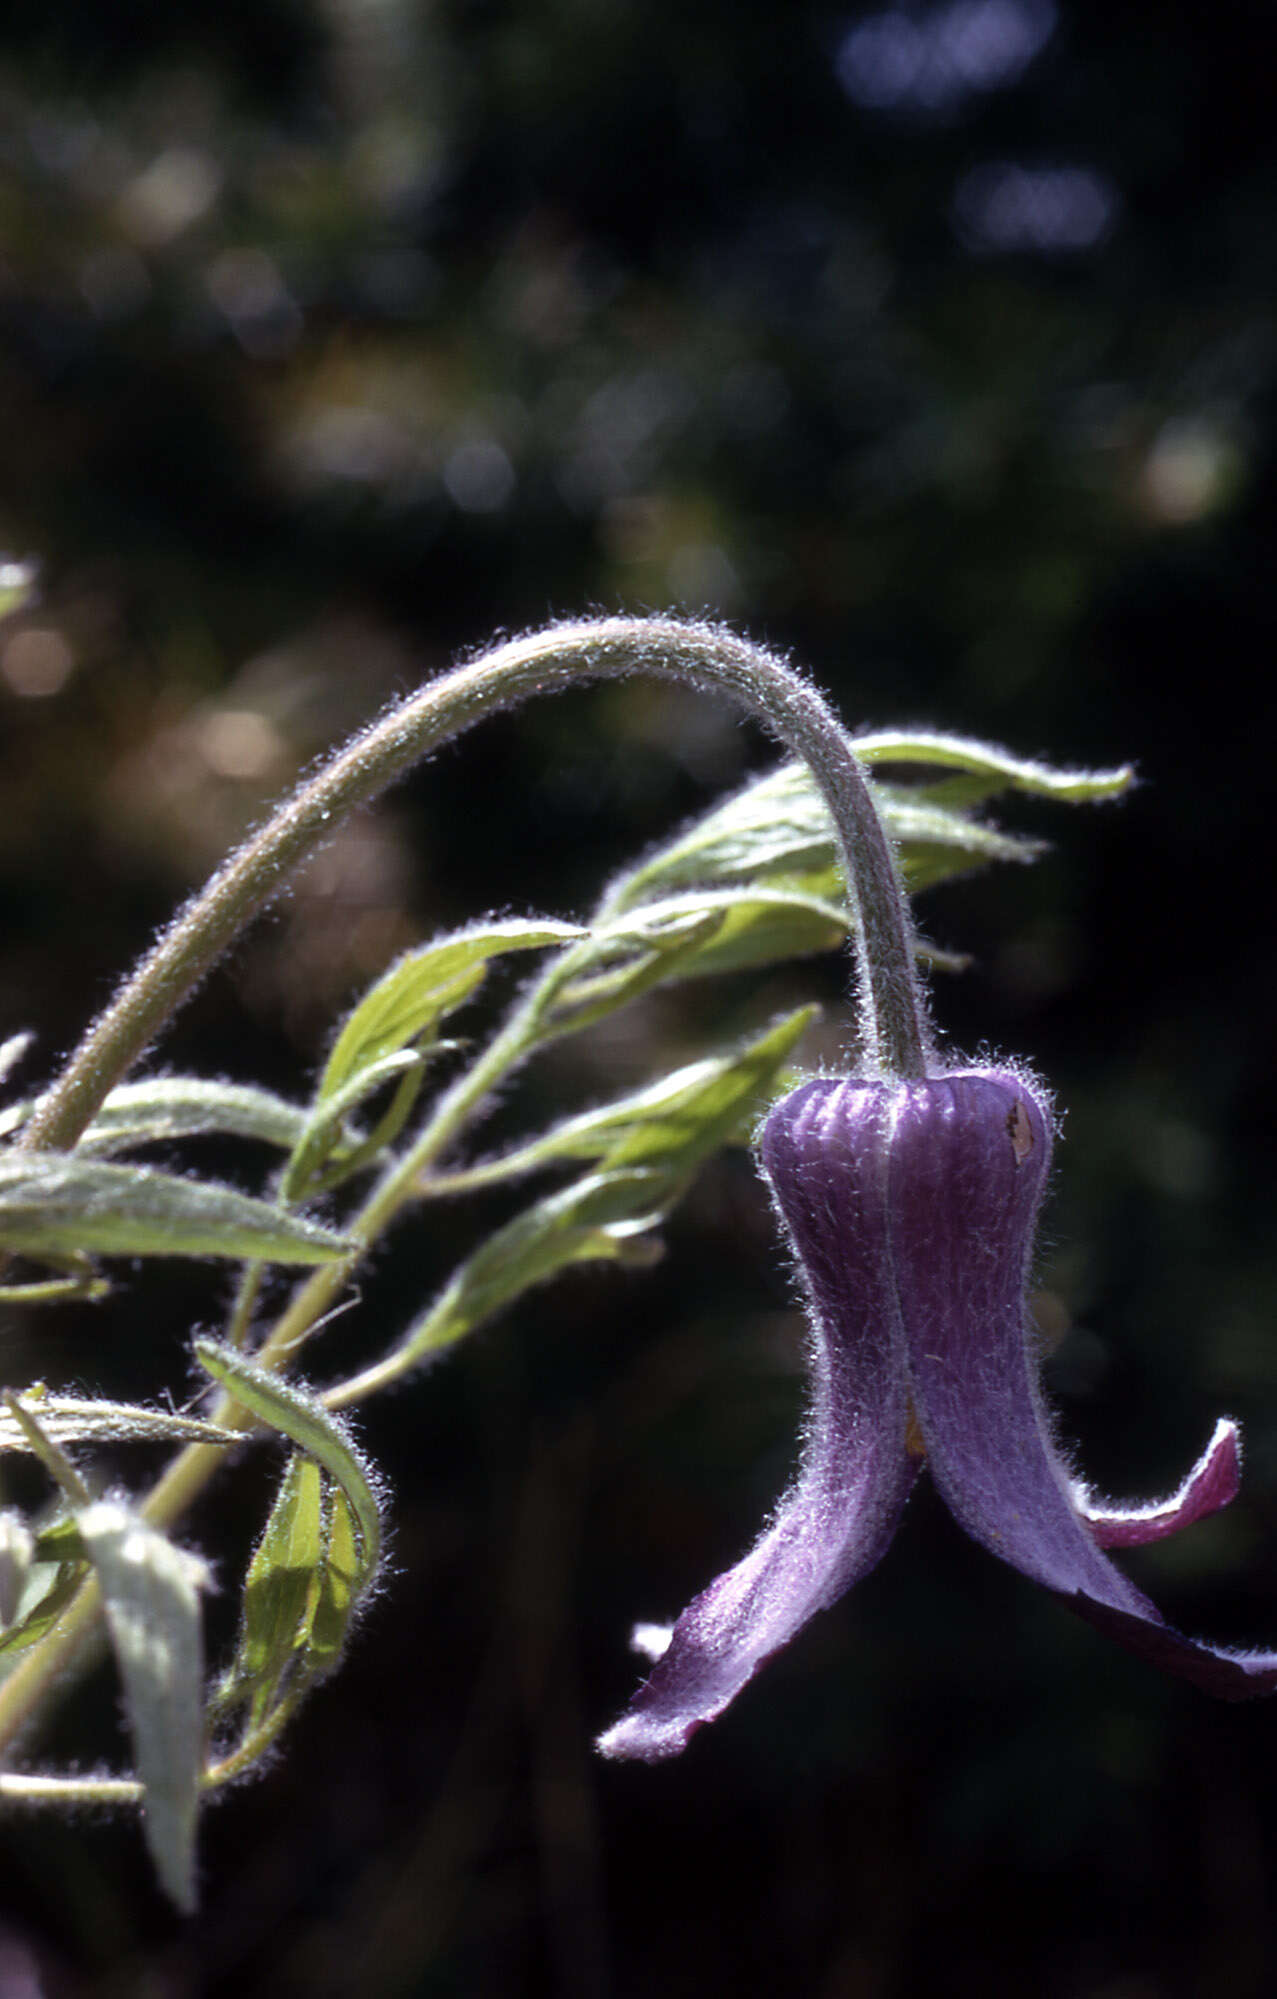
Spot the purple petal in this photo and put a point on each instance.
(825, 1151)
(1212, 1482)
(969, 1161)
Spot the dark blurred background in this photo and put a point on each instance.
(936, 342)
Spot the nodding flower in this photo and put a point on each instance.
(912, 1207)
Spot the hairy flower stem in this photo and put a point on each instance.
(893, 1019)
(895, 1038)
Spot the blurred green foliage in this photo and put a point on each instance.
(936, 341)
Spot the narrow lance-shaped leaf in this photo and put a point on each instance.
(281, 1590)
(173, 1107)
(304, 1585)
(164, 1108)
(601, 1217)
(679, 1119)
(12, 1051)
(776, 824)
(425, 986)
(81, 1282)
(984, 771)
(54, 1204)
(616, 964)
(284, 1407)
(758, 926)
(689, 936)
(321, 1136)
(72, 1419)
(341, 1583)
(58, 1540)
(776, 828)
(150, 1590)
(340, 1163)
(936, 842)
(49, 1589)
(17, 1552)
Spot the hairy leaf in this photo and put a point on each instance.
(150, 1590)
(58, 1540)
(71, 1419)
(82, 1282)
(777, 828)
(343, 1577)
(600, 1217)
(322, 1135)
(49, 1589)
(298, 1416)
(678, 1120)
(172, 1107)
(17, 1552)
(12, 1051)
(52, 1204)
(281, 1590)
(617, 963)
(417, 992)
(985, 771)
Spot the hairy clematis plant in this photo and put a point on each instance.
(912, 1206)
(910, 1194)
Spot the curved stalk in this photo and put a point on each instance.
(895, 1035)
(893, 1017)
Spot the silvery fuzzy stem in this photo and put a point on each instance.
(896, 1041)
(705, 657)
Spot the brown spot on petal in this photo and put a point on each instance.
(1020, 1131)
(913, 1438)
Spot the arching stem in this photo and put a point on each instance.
(894, 1029)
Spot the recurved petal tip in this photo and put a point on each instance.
(964, 1202)
(1213, 1481)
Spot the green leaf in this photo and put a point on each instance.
(985, 770)
(12, 1051)
(304, 1585)
(690, 936)
(775, 825)
(85, 1284)
(286, 1408)
(281, 1590)
(678, 1120)
(600, 1217)
(936, 842)
(423, 987)
(53, 1203)
(755, 926)
(72, 1419)
(17, 1552)
(171, 1107)
(776, 828)
(619, 962)
(50, 1588)
(59, 1540)
(150, 1590)
(342, 1581)
(322, 1133)
(343, 1162)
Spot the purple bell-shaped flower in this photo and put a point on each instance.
(912, 1206)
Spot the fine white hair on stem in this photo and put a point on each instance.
(895, 1033)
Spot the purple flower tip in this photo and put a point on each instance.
(912, 1207)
